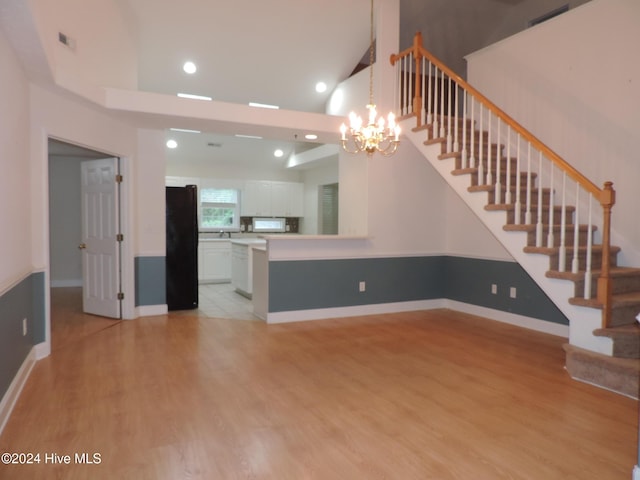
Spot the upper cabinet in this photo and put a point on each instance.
(272, 199)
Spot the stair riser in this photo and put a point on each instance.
(534, 216)
(557, 238)
(624, 315)
(503, 179)
(523, 197)
(596, 260)
(620, 285)
(503, 164)
(626, 347)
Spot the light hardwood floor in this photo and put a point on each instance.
(419, 395)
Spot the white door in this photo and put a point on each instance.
(100, 245)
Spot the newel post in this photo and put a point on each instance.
(607, 200)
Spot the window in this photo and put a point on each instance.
(219, 209)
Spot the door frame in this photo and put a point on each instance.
(127, 263)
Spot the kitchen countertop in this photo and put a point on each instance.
(248, 241)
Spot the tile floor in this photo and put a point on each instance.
(221, 300)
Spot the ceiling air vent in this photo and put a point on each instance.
(214, 144)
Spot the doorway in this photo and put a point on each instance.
(67, 274)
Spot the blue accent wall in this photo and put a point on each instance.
(150, 281)
(24, 300)
(316, 284)
(312, 284)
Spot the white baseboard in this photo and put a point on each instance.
(13, 392)
(151, 310)
(511, 318)
(354, 311)
(636, 473)
(505, 317)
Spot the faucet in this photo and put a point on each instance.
(222, 232)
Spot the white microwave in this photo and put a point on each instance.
(266, 225)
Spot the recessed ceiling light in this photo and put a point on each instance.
(194, 97)
(184, 130)
(263, 105)
(311, 136)
(321, 87)
(189, 67)
(172, 143)
(278, 153)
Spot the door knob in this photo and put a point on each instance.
(82, 246)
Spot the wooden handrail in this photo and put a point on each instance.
(605, 195)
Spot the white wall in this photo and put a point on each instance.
(15, 202)
(64, 218)
(105, 52)
(313, 179)
(572, 81)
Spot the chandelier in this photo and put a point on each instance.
(377, 135)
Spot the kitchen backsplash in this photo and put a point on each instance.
(292, 224)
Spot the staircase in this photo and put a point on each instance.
(539, 207)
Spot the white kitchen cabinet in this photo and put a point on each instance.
(214, 261)
(272, 199)
(256, 199)
(240, 269)
(242, 264)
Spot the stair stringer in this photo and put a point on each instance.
(582, 320)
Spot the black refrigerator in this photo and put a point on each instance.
(182, 247)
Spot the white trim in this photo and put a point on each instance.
(13, 392)
(340, 312)
(511, 318)
(42, 350)
(151, 310)
(636, 473)
(11, 284)
(66, 283)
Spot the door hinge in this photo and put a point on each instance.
(120, 296)
(118, 178)
(119, 237)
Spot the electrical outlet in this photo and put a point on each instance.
(362, 286)
(24, 327)
(494, 288)
(512, 292)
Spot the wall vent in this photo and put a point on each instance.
(214, 144)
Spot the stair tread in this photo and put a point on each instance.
(630, 330)
(531, 227)
(523, 207)
(618, 300)
(554, 250)
(615, 272)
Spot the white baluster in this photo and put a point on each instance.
(456, 143)
(424, 90)
(449, 102)
(508, 197)
(562, 252)
(436, 82)
(498, 166)
(410, 83)
(480, 152)
(464, 153)
(552, 201)
(587, 273)
(527, 215)
(443, 80)
(489, 137)
(518, 206)
(539, 227)
(429, 94)
(472, 158)
(576, 232)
